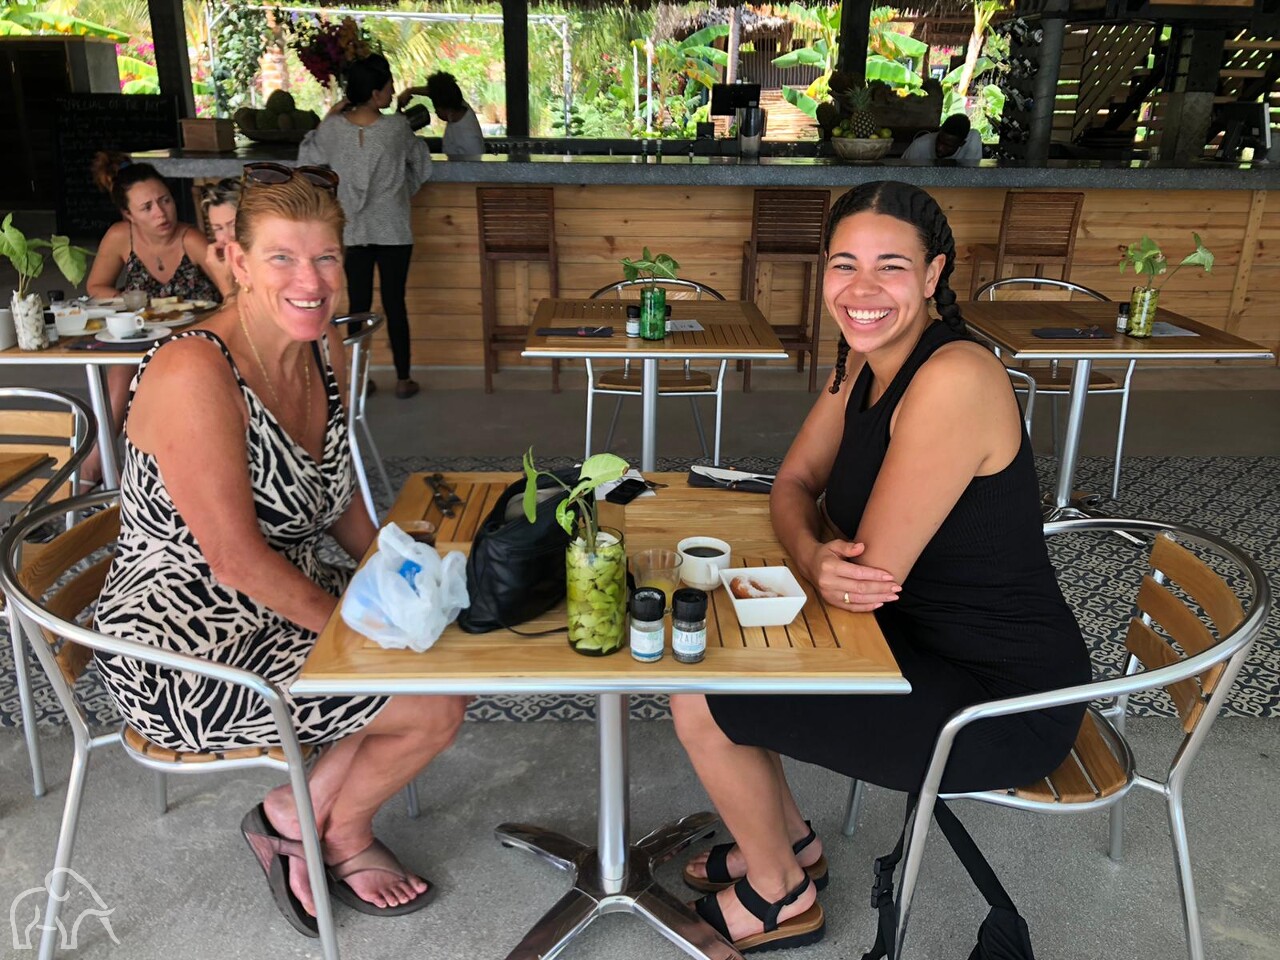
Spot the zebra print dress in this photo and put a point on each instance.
(161, 591)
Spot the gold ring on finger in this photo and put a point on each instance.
(846, 598)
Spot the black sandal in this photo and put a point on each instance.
(718, 877)
(800, 931)
(273, 852)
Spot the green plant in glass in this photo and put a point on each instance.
(1148, 260)
(595, 560)
(653, 298)
(28, 312)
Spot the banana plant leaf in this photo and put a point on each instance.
(804, 57)
(892, 72)
(801, 100)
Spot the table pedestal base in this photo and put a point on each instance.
(1080, 506)
(637, 893)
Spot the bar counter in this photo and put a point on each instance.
(699, 211)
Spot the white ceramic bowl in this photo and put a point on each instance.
(766, 611)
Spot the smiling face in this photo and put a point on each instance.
(221, 218)
(290, 276)
(877, 281)
(150, 208)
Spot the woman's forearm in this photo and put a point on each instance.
(270, 580)
(793, 510)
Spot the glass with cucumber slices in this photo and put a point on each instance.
(597, 594)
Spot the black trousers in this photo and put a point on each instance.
(393, 272)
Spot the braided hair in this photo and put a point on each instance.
(912, 205)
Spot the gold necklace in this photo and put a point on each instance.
(262, 367)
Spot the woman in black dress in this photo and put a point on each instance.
(910, 491)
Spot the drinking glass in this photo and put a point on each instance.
(658, 568)
(135, 300)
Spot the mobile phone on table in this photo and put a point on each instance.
(626, 491)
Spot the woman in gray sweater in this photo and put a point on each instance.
(381, 165)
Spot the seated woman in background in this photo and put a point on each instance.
(148, 250)
(382, 165)
(910, 491)
(236, 466)
(220, 201)
(462, 134)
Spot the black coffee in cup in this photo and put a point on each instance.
(704, 551)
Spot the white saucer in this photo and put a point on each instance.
(179, 321)
(149, 334)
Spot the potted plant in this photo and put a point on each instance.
(28, 313)
(653, 298)
(1147, 260)
(596, 559)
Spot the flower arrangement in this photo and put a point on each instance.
(325, 48)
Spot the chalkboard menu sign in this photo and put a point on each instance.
(89, 122)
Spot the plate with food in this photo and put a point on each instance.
(764, 596)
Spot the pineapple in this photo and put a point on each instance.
(855, 104)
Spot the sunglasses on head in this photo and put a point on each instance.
(267, 173)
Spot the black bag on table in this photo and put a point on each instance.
(1003, 934)
(515, 571)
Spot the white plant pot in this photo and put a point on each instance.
(8, 336)
(28, 322)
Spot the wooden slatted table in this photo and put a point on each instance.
(732, 330)
(94, 363)
(1008, 325)
(17, 468)
(825, 650)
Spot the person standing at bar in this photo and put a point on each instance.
(955, 140)
(381, 165)
(462, 134)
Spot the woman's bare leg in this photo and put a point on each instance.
(751, 797)
(354, 778)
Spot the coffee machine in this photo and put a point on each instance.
(742, 102)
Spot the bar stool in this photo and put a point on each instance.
(516, 223)
(788, 226)
(1037, 228)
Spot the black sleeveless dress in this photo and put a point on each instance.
(980, 617)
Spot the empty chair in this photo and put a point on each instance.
(684, 381)
(360, 327)
(53, 597)
(1189, 636)
(516, 224)
(1053, 380)
(1038, 228)
(788, 226)
(64, 434)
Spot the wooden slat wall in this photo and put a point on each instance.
(704, 228)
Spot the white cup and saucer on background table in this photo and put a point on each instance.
(130, 328)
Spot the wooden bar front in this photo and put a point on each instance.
(704, 227)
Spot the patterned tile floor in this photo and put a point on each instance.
(1233, 497)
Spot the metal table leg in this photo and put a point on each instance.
(649, 429)
(616, 876)
(101, 403)
(1064, 505)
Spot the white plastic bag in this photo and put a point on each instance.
(406, 594)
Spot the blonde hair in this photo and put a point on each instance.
(295, 200)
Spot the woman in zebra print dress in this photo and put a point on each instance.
(237, 464)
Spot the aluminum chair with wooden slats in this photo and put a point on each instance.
(1038, 228)
(51, 594)
(789, 226)
(65, 435)
(360, 327)
(516, 224)
(1189, 636)
(684, 381)
(1054, 380)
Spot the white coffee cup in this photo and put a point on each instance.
(704, 558)
(125, 325)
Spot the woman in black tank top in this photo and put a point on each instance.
(910, 491)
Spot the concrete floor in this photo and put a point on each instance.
(184, 884)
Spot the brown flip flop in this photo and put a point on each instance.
(273, 852)
(376, 856)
